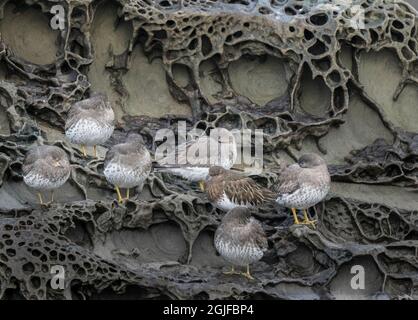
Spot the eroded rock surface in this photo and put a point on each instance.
(313, 75)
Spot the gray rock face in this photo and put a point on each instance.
(317, 78)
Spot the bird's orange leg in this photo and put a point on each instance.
(295, 216)
(95, 151)
(83, 148)
(127, 194)
(40, 199)
(120, 199)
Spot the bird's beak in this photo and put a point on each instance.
(237, 169)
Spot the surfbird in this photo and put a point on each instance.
(240, 239)
(227, 189)
(194, 158)
(46, 168)
(303, 184)
(90, 122)
(128, 165)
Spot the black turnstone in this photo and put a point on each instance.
(193, 159)
(240, 239)
(128, 164)
(227, 190)
(90, 122)
(46, 168)
(303, 184)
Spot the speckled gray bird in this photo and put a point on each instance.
(90, 122)
(240, 239)
(128, 165)
(227, 189)
(46, 168)
(193, 159)
(303, 185)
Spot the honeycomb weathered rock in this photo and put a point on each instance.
(330, 94)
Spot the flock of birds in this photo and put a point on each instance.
(240, 238)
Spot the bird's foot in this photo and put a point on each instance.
(248, 275)
(231, 272)
(42, 203)
(310, 223)
(307, 220)
(46, 204)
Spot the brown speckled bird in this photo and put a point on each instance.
(303, 184)
(240, 239)
(227, 190)
(90, 122)
(46, 168)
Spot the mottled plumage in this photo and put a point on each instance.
(192, 160)
(227, 190)
(240, 239)
(303, 184)
(128, 164)
(46, 168)
(90, 122)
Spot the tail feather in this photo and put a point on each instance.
(164, 167)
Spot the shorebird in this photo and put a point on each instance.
(240, 239)
(127, 165)
(302, 185)
(46, 168)
(227, 190)
(193, 159)
(90, 122)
